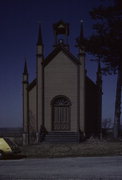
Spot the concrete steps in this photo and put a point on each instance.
(62, 137)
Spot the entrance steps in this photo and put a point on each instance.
(62, 137)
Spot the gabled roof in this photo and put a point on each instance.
(58, 49)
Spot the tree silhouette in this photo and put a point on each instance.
(106, 45)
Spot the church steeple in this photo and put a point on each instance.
(80, 43)
(25, 105)
(25, 69)
(81, 46)
(39, 40)
(99, 98)
(99, 75)
(25, 73)
(61, 33)
(40, 82)
(81, 30)
(81, 37)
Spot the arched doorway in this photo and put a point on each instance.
(61, 113)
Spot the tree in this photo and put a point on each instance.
(106, 45)
(106, 125)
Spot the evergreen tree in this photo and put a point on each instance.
(106, 45)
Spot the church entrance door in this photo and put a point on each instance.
(61, 108)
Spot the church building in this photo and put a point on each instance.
(62, 104)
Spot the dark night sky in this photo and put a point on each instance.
(18, 34)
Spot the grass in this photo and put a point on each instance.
(88, 148)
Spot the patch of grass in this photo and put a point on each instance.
(51, 150)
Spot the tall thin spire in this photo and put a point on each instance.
(81, 30)
(99, 98)
(25, 69)
(80, 39)
(99, 72)
(39, 41)
(99, 77)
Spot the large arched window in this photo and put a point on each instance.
(61, 109)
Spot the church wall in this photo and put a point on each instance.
(61, 79)
(32, 110)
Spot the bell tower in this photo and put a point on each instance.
(61, 33)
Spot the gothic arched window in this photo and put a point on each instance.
(61, 109)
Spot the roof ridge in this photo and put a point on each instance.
(56, 51)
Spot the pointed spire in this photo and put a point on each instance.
(99, 68)
(99, 74)
(81, 30)
(25, 69)
(39, 41)
(80, 39)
